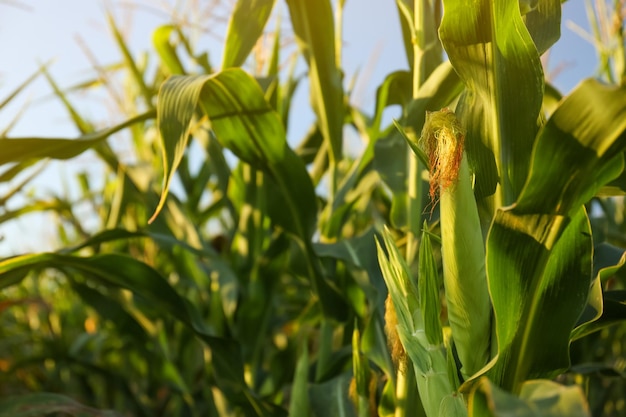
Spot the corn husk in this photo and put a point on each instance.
(463, 250)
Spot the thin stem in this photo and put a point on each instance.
(414, 181)
(406, 387)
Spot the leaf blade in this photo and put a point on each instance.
(244, 28)
(540, 249)
(491, 49)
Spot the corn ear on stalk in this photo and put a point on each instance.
(404, 324)
(463, 252)
(398, 354)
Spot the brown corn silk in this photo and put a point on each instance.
(442, 140)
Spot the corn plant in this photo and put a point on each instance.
(443, 271)
(516, 301)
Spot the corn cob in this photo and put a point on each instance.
(463, 252)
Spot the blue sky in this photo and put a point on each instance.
(53, 30)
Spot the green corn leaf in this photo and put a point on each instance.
(399, 283)
(453, 372)
(10, 173)
(81, 124)
(361, 371)
(493, 53)
(130, 62)
(310, 146)
(6, 100)
(111, 235)
(21, 185)
(393, 172)
(428, 286)
(226, 277)
(575, 155)
(314, 25)
(544, 23)
(277, 93)
(360, 366)
(539, 270)
(244, 29)
(244, 122)
(555, 400)
(551, 99)
(526, 6)
(613, 312)
(596, 369)
(25, 149)
(430, 367)
(329, 398)
(273, 69)
(55, 205)
(299, 403)
(405, 14)
(374, 344)
(538, 398)
(177, 102)
(395, 89)
(44, 403)
(359, 252)
(386, 405)
(112, 311)
(539, 251)
(166, 50)
(413, 145)
(607, 261)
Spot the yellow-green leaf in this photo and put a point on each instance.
(244, 29)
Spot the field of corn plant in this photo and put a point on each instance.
(467, 262)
